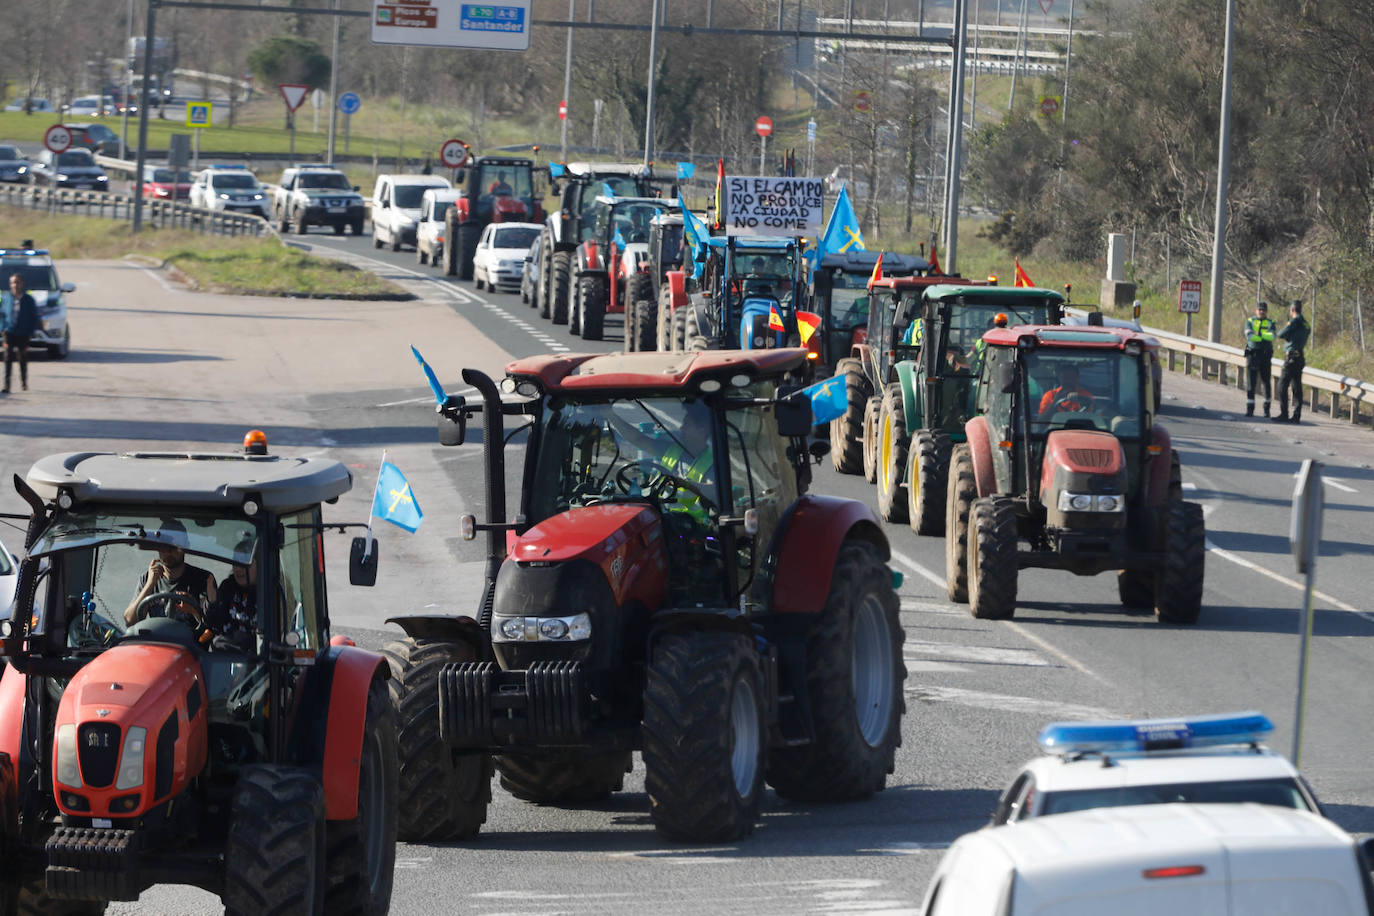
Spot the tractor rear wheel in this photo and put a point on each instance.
(1178, 586)
(927, 478)
(543, 287)
(468, 236)
(592, 316)
(847, 430)
(960, 492)
(575, 308)
(1136, 588)
(893, 443)
(564, 777)
(639, 305)
(679, 329)
(704, 736)
(32, 900)
(274, 856)
(854, 678)
(663, 318)
(1175, 491)
(992, 559)
(443, 794)
(362, 852)
(870, 441)
(561, 286)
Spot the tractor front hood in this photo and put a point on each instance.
(1083, 480)
(590, 532)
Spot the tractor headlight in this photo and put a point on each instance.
(68, 773)
(1110, 503)
(573, 628)
(131, 761)
(1088, 502)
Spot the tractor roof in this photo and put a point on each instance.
(502, 160)
(1077, 337)
(591, 372)
(900, 283)
(985, 292)
(603, 199)
(592, 170)
(752, 242)
(190, 478)
(856, 262)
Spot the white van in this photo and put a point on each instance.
(396, 207)
(1178, 859)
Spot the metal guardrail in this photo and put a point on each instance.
(164, 214)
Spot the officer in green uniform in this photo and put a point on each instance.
(1259, 356)
(1295, 333)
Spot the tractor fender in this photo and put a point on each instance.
(1157, 493)
(677, 288)
(816, 527)
(452, 628)
(980, 449)
(860, 351)
(912, 395)
(12, 686)
(591, 255)
(353, 671)
(462, 209)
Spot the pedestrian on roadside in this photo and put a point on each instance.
(18, 321)
(1259, 356)
(1295, 333)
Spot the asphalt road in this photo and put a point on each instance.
(156, 368)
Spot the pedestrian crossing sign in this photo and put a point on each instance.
(198, 114)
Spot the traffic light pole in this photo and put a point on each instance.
(142, 157)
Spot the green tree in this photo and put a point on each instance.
(288, 59)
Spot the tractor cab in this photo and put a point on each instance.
(614, 250)
(752, 296)
(840, 296)
(493, 189)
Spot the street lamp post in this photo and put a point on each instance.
(1223, 178)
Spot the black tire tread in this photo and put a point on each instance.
(561, 284)
(1178, 587)
(870, 438)
(271, 855)
(564, 777)
(592, 313)
(961, 491)
(846, 431)
(928, 466)
(992, 559)
(892, 473)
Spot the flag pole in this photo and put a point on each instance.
(367, 550)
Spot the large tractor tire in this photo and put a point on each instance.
(846, 431)
(992, 559)
(592, 316)
(274, 856)
(362, 852)
(448, 253)
(893, 443)
(1175, 491)
(564, 777)
(32, 900)
(1136, 588)
(927, 479)
(664, 319)
(679, 329)
(961, 491)
(543, 288)
(699, 342)
(1178, 586)
(870, 438)
(561, 286)
(575, 308)
(442, 794)
(704, 736)
(640, 321)
(854, 679)
(468, 236)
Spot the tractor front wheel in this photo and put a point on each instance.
(704, 736)
(468, 236)
(927, 479)
(1178, 586)
(893, 443)
(274, 856)
(362, 852)
(992, 559)
(961, 491)
(592, 315)
(854, 679)
(870, 443)
(564, 777)
(640, 323)
(561, 286)
(543, 289)
(679, 329)
(847, 430)
(443, 794)
(663, 318)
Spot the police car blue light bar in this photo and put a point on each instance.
(1140, 735)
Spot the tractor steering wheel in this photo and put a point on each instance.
(1074, 401)
(167, 598)
(658, 488)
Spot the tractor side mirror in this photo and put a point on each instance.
(1006, 377)
(453, 421)
(818, 449)
(362, 562)
(794, 417)
(1135, 309)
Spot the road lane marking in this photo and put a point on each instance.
(979, 699)
(988, 655)
(1291, 583)
(1332, 481)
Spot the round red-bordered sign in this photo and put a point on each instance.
(58, 138)
(454, 153)
(763, 126)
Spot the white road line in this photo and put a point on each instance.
(1188, 485)
(1291, 583)
(1008, 702)
(990, 655)
(939, 581)
(1332, 481)
(162, 281)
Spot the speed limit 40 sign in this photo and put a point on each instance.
(454, 153)
(57, 138)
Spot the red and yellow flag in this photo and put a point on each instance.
(807, 322)
(720, 192)
(1021, 278)
(877, 272)
(774, 319)
(934, 260)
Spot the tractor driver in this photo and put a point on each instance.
(169, 572)
(1067, 395)
(499, 187)
(690, 457)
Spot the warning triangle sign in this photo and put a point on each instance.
(294, 93)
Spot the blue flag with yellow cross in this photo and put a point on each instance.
(829, 399)
(393, 500)
(841, 230)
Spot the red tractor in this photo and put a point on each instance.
(1066, 467)
(610, 259)
(156, 728)
(493, 189)
(666, 586)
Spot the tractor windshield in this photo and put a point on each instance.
(768, 272)
(627, 223)
(1084, 389)
(225, 539)
(848, 300)
(594, 451)
(968, 321)
(505, 181)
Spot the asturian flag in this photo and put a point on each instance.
(393, 500)
(828, 399)
(841, 230)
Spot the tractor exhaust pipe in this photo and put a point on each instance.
(494, 466)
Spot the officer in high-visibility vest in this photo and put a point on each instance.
(1259, 357)
(975, 356)
(692, 458)
(914, 333)
(1295, 333)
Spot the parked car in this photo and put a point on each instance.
(9, 577)
(14, 165)
(396, 207)
(429, 231)
(95, 137)
(529, 275)
(231, 188)
(35, 106)
(40, 280)
(500, 257)
(163, 183)
(91, 106)
(75, 168)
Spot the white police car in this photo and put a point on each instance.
(40, 281)
(232, 188)
(1206, 759)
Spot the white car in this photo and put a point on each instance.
(1204, 759)
(91, 106)
(36, 106)
(429, 232)
(500, 257)
(9, 578)
(40, 281)
(1178, 859)
(396, 207)
(231, 188)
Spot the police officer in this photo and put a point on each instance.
(1295, 333)
(1259, 356)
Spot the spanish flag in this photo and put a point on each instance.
(877, 272)
(1021, 278)
(807, 323)
(934, 261)
(720, 193)
(774, 319)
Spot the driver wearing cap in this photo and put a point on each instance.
(1067, 395)
(170, 573)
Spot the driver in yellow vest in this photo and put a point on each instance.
(691, 457)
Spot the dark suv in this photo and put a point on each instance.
(95, 137)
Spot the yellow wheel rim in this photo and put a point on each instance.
(885, 451)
